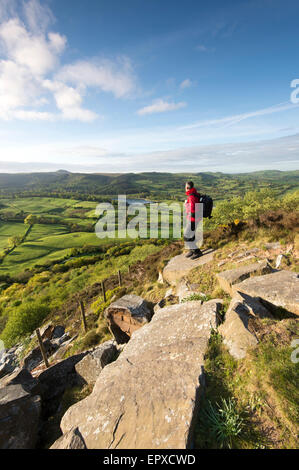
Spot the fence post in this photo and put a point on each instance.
(41, 346)
(119, 278)
(103, 290)
(83, 315)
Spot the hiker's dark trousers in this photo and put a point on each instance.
(189, 235)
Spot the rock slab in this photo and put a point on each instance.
(179, 266)
(148, 397)
(230, 277)
(280, 289)
(237, 335)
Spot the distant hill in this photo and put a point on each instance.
(152, 184)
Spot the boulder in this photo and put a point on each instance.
(127, 315)
(24, 378)
(230, 277)
(8, 363)
(148, 398)
(64, 343)
(70, 440)
(92, 364)
(280, 289)
(34, 357)
(19, 417)
(60, 376)
(180, 266)
(237, 335)
(58, 332)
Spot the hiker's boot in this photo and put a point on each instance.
(196, 254)
(190, 253)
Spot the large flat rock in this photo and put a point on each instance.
(179, 266)
(148, 397)
(280, 289)
(230, 277)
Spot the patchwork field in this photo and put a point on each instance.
(42, 242)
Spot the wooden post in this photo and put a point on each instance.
(41, 346)
(119, 278)
(83, 315)
(103, 290)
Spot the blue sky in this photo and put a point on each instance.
(148, 85)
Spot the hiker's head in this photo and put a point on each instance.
(189, 185)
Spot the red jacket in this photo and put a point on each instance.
(193, 198)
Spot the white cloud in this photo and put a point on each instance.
(57, 42)
(69, 100)
(31, 57)
(186, 83)
(115, 77)
(17, 87)
(37, 16)
(160, 106)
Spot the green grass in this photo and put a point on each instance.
(258, 395)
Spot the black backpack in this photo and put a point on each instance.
(207, 202)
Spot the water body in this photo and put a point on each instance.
(135, 201)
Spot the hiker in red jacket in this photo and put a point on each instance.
(192, 212)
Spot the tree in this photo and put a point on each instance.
(30, 219)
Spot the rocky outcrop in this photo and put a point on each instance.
(127, 315)
(9, 359)
(148, 397)
(180, 266)
(92, 364)
(56, 379)
(184, 289)
(19, 417)
(34, 357)
(24, 378)
(280, 289)
(70, 440)
(230, 277)
(237, 334)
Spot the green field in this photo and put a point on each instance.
(60, 224)
(44, 242)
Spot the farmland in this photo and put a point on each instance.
(42, 223)
(41, 242)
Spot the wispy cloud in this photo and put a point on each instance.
(280, 154)
(161, 106)
(230, 120)
(187, 83)
(203, 48)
